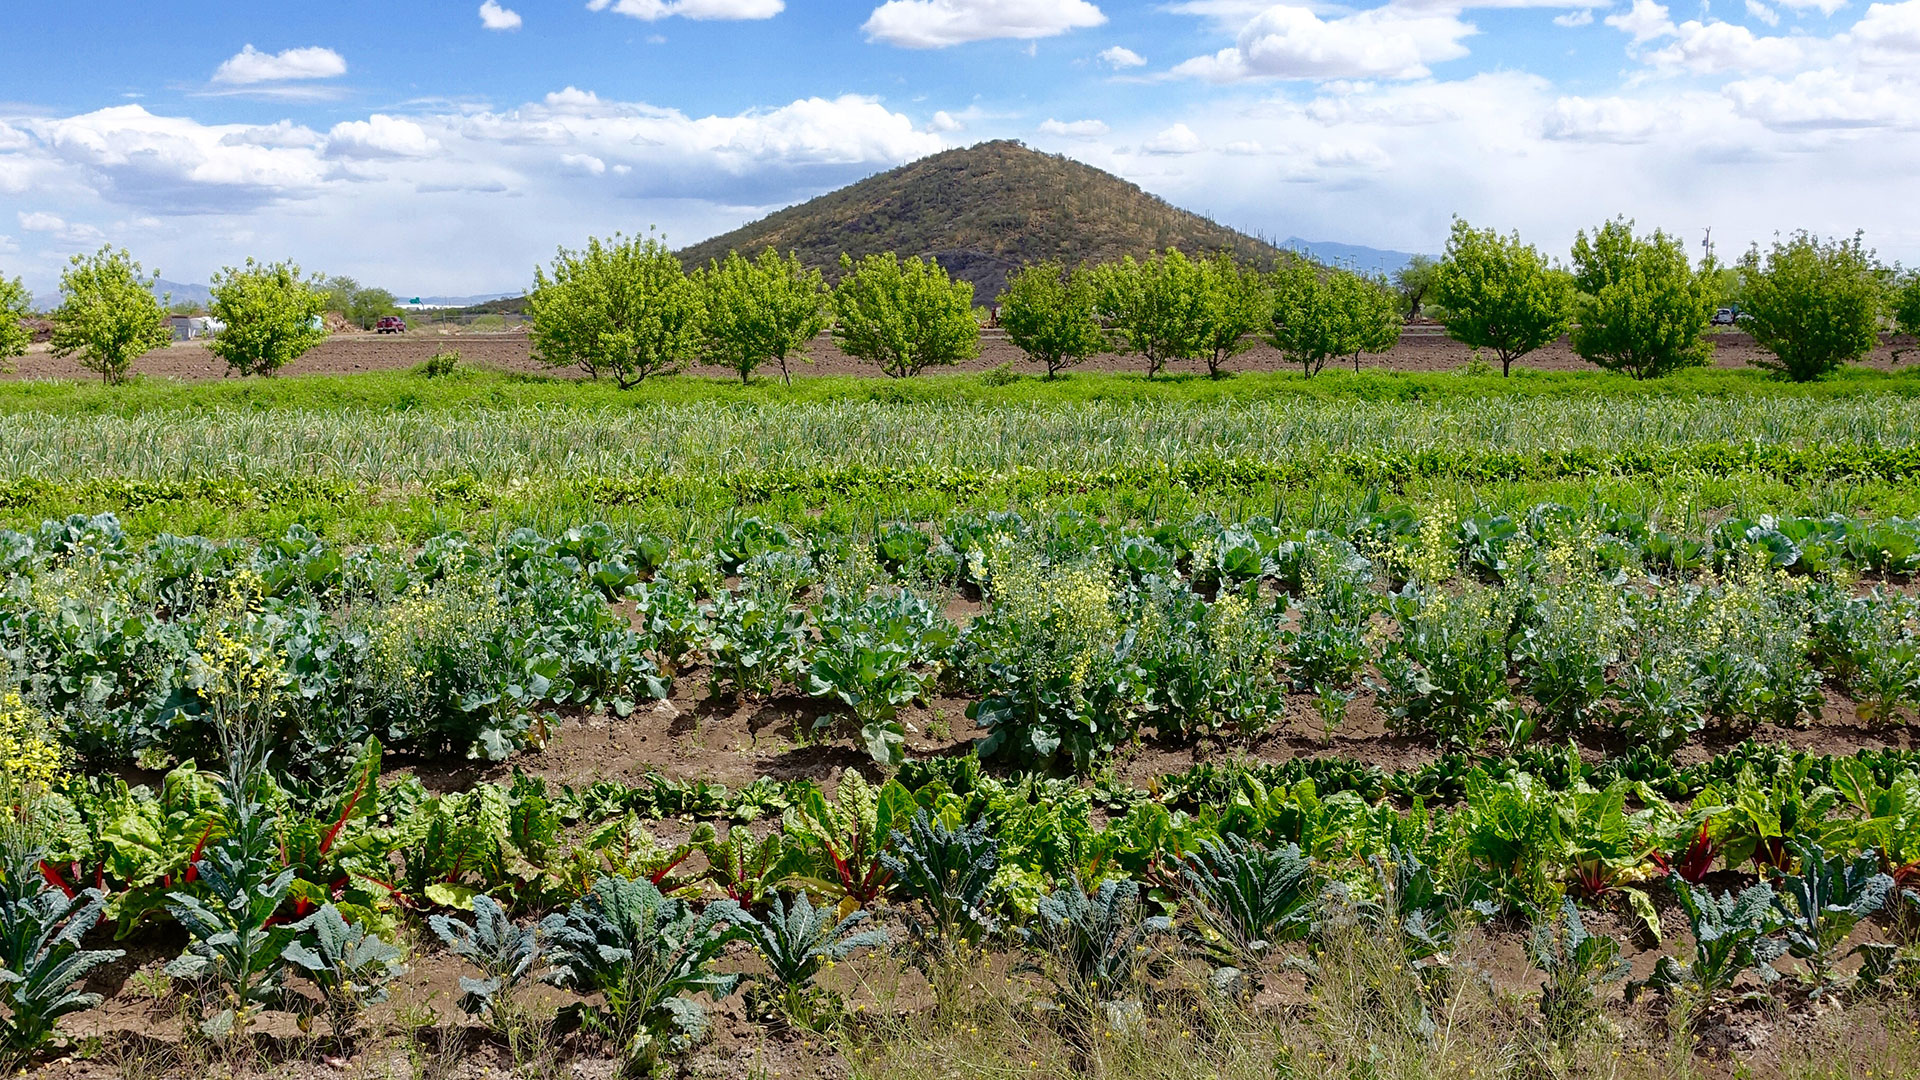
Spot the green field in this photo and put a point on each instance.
(1262, 727)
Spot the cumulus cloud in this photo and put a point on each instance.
(251, 67)
(1889, 33)
(1709, 48)
(1645, 21)
(495, 17)
(937, 24)
(1824, 7)
(1574, 19)
(177, 164)
(1606, 119)
(59, 229)
(584, 164)
(1824, 101)
(1119, 58)
(1762, 12)
(1178, 139)
(716, 10)
(1074, 129)
(1292, 42)
(380, 136)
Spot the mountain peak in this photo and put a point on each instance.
(982, 211)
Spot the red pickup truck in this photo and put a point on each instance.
(391, 324)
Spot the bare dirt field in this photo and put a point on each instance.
(1421, 349)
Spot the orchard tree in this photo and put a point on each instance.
(1814, 305)
(761, 311)
(1049, 314)
(1157, 308)
(1643, 308)
(903, 317)
(269, 312)
(1905, 303)
(1414, 282)
(1320, 316)
(108, 316)
(622, 308)
(1236, 307)
(1371, 310)
(15, 306)
(1499, 294)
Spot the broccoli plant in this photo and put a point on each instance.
(798, 940)
(1731, 937)
(503, 951)
(350, 967)
(1248, 897)
(41, 958)
(1820, 905)
(643, 954)
(1578, 965)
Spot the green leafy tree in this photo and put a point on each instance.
(1814, 305)
(1049, 313)
(368, 306)
(903, 317)
(761, 311)
(1414, 282)
(1500, 294)
(1157, 308)
(15, 306)
(1905, 303)
(1237, 307)
(1643, 308)
(270, 313)
(108, 315)
(623, 308)
(1318, 317)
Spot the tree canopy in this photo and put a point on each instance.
(1814, 305)
(622, 308)
(108, 316)
(1500, 294)
(903, 316)
(1049, 314)
(270, 314)
(1643, 307)
(761, 311)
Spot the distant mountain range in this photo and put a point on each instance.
(1366, 260)
(176, 292)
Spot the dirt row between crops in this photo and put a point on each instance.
(350, 353)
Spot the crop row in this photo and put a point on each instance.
(1466, 629)
(943, 862)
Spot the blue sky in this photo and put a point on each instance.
(449, 147)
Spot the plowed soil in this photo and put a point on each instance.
(1420, 349)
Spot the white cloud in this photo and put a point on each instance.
(495, 17)
(937, 24)
(1178, 139)
(1709, 48)
(584, 164)
(716, 10)
(1824, 101)
(1607, 120)
(1890, 33)
(1291, 42)
(1824, 7)
(250, 66)
(1575, 19)
(59, 229)
(945, 121)
(380, 136)
(175, 164)
(1762, 12)
(1119, 58)
(1074, 129)
(1645, 21)
(281, 135)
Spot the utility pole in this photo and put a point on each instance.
(1706, 243)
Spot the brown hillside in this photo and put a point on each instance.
(982, 211)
